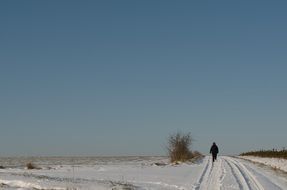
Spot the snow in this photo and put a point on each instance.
(25, 185)
(139, 173)
(276, 163)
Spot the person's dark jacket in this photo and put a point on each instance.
(214, 149)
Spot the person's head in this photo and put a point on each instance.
(214, 143)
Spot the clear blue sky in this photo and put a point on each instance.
(117, 77)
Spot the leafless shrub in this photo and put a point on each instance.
(178, 147)
(31, 166)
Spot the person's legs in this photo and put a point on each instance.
(213, 157)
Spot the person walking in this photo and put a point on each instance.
(214, 151)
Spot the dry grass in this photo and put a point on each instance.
(31, 166)
(267, 153)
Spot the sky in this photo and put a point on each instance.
(118, 77)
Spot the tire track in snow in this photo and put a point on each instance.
(252, 171)
(218, 175)
(246, 176)
(211, 177)
(206, 172)
(238, 177)
(223, 173)
(266, 179)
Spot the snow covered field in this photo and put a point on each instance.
(141, 173)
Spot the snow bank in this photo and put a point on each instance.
(277, 163)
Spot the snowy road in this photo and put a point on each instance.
(230, 173)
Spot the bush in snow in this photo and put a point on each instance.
(178, 147)
(31, 166)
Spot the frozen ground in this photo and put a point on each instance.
(139, 173)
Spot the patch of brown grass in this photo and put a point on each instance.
(31, 166)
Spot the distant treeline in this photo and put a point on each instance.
(274, 153)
